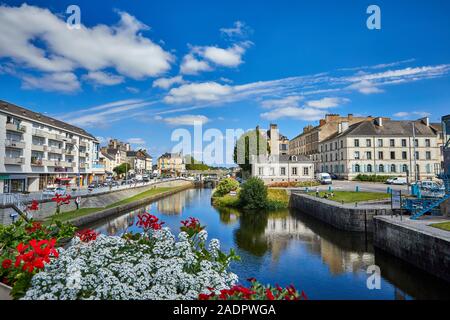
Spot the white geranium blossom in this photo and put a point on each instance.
(116, 268)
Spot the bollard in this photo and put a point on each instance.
(307, 190)
(388, 190)
(329, 189)
(357, 189)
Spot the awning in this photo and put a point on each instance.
(64, 179)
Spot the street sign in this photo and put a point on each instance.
(396, 199)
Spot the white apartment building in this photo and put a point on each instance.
(282, 168)
(37, 151)
(382, 147)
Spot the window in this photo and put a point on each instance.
(380, 155)
(404, 155)
(326, 147)
(417, 155)
(392, 143)
(342, 143)
(356, 142)
(380, 168)
(403, 142)
(283, 171)
(392, 154)
(380, 142)
(357, 168)
(428, 155)
(331, 146)
(342, 156)
(294, 171)
(369, 168)
(357, 155)
(405, 168)
(428, 168)
(306, 171)
(393, 169)
(427, 143)
(272, 171)
(416, 142)
(368, 142)
(369, 155)
(261, 171)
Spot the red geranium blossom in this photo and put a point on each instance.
(148, 221)
(87, 235)
(191, 224)
(35, 254)
(6, 264)
(35, 226)
(59, 199)
(33, 206)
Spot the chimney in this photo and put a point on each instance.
(340, 127)
(274, 140)
(426, 121)
(379, 121)
(344, 126)
(322, 122)
(350, 116)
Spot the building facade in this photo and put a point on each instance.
(140, 161)
(278, 143)
(307, 143)
(169, 163)
(37, 151)
(282, 168)
(382, 147)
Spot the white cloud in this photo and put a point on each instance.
(121, 47)
(365, 87)
(290, 101)
(136, 141)
(186, 120)
(103, 78)
(239, 29)
(66, 82)
(309, 114)
(325, 103)
(404, 114)
(198, 92)
(191, 65)
(132, 89)
(230, 57)
(166, 83)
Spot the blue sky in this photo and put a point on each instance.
(137, 70)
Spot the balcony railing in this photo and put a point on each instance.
(55, 150)
(37, 162)
(38, 147)
(15, 160)
(19, 144)
(16, 127)
(39, 133)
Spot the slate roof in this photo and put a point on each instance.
(27, 114)
(389, 128)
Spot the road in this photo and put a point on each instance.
(343, 185)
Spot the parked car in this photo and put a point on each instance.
(94, 185)
(52, 191)
(333, 176)
(429, 185)
(324, 178)
(397, 181)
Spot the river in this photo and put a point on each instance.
(288, 247)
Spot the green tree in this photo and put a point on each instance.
(225, 186)
(253, 194)
(249, 144)
(122, 168)
(192, 164)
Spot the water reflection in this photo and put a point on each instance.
(289, 247)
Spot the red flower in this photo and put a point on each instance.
(61, 200)
(34, 206)
(269, 294)
(251, 279)
(304, 296)
(6, 264)
(35, 254)
(148, 221)
(203, 296)
(191, 224)
(87, 235)
(35, 226)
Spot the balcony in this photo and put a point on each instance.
(84, 165)
(39, 133)
(54, 150)
(37, 162)
(83, 144)
(18, 144)
(69, 152)
(50, 163)
(15, 160)
(16, 127)
(38, 147)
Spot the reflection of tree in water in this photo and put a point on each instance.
(250, 234)
(228, 215)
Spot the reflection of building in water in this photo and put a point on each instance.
(279, 232)
(176, 203)
(119, 224)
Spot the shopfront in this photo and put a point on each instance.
(14, 183)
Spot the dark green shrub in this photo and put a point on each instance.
(253, 194)
(371, 178)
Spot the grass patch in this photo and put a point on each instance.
(65, 216)
(352, 196)
(276, 198)
(443, 226)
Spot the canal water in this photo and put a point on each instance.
(288, 247)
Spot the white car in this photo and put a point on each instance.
(398, 181)
(52, 191)
(324, 178)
